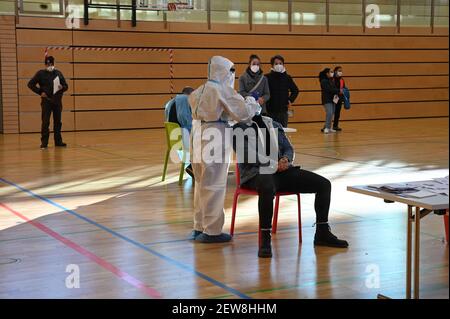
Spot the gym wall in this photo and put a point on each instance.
(390, 74)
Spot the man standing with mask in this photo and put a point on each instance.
(283, 91)
(214, 104)
(43, 83)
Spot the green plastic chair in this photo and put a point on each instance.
(171, 142)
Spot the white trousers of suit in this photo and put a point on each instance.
(210, 177)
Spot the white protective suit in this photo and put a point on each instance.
(214, 104)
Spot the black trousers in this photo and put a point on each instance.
(280, 117)
(337, 114)
(294, 179)
(48, 108)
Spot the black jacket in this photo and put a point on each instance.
(329, 90)
(249, 170)
(337, 82)
(42, 81)
(282, 90)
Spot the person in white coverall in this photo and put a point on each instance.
(214, 104)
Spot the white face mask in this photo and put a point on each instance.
(332, 74)
(339, 74)
(50, 68)
(279, 68)
(254, 68)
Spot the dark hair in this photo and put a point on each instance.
(276, 57)
(187, 90)
(337, 68)
(253, 57)
(323, 74)
(49, 60)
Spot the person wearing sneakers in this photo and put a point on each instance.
(51, 100)
(214, 104)
(330, 96)
(340, 85)
(286, 177)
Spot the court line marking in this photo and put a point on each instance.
(131, 241)
(83, 251)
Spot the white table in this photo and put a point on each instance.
(423, 206)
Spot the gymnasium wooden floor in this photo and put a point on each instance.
(100, 204)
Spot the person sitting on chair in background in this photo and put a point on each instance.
(178, 110)
(284, 177)
(283, 91)
(254, 83)
(42, 84)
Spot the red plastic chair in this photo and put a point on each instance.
(446, 225)
(243, 191)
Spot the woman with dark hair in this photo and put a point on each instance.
(329, 97)
(340, 85)
(254, 83)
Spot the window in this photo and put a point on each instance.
(415, 13)
(7, 7)
(44, 7)
(441, 13)
(270, 12)
(229, 11)
(346, 12)
(388, 12)
(309, 12)
(198, 13)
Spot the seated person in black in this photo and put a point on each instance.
(287, 178)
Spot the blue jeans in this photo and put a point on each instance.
(329, 110)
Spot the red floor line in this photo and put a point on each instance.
(98, 260)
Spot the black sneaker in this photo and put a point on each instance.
(324, 237)
(44, 146)
(61, 144)
(190, 171)
(195, 234)
(213, 239)
(338, 129)
(265, 251)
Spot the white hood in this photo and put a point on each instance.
(219, 71)
(217, 100)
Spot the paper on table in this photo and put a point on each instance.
(443, 180)
(419, 194)
(56, 84)
(395, 188)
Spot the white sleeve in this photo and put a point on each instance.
(235, 106)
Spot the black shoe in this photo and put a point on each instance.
(195, 234)
(44, 146)
(322, 129)
(190, 171)
(61, 144)
(324, 237)
(213, 239)
(338, 129)
(265, 251)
